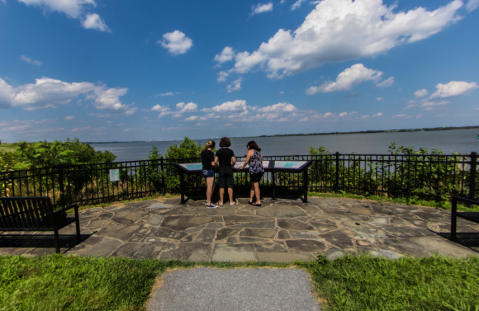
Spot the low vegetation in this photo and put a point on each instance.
(58, 282)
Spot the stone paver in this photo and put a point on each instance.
(281, 230)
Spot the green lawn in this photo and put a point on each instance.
(58, 282)
(8, 147)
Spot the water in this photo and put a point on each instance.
(462, 141)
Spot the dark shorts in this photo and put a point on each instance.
(256, 177)
(208, 173)
(225, 179)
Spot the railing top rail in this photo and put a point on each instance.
(466, 200)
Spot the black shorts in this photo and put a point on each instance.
(225, 179)
(256, 177)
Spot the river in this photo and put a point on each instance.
(462, 141)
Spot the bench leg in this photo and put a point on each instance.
(57, 241)
(77, 222)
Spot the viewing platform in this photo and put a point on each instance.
(279, 231)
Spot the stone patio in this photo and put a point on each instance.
(281, 230)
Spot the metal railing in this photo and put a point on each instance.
(431, 177)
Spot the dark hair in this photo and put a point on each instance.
(210, 144)
(225, 142)
(253, 145)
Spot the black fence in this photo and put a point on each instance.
(430, 177)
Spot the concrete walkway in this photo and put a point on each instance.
(205, 289)
(281, 231)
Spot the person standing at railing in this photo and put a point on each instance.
(225, 159)
(254, 159)
(208, 161)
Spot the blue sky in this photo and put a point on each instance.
(104, 70)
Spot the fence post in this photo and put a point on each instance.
(472, 177)
(162, 175)
(61, 185)
(337, 173)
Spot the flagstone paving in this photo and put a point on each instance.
(281, 230)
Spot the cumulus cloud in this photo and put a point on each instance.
(296, 5)
(222, 75)
(225, 56)
(160, 108)
(472, 5)
(342, 30)
(69, 117)
(386, 83)
(195, 118)
(379, 114)
(190, 107)
(73, 9)
(31, 61)
(237, 105)
(51, 93)
(176, 42)
(94, 21)
(405, 116)
(380, 99)
(261, 8)
(235, 85)
(286, 107)
(454, 88)
(420, 93)
(347, 79)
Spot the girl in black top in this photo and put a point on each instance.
(226, 159)
(208, 161)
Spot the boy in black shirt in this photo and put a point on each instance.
(226, 160)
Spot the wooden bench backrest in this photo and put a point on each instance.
(28, 212)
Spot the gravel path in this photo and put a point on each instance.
(235, 289)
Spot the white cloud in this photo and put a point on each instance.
(226, 55)
(342, 30)
(195, 118)
(296, 5)
(386, 83)
(160, 108)
(94, 21)
(405, 116)
(164, 113)
(131, 111)
(31, 61)
(261, 8)
(165, 94)
(472, 5)
(72, 8)
(286, 107)
(350, 77)
(81, 129)
(190, 107)
(282, 92)
(454, 88)
(176, 42)
(235, 85)
(69, 117)
(51, 93)
(380, 99)
(222, 75)
(420, 93)
(379, 114)
(237, 105)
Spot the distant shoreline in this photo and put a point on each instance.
(430, 129)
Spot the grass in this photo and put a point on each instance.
(58, 282)
(8, 147)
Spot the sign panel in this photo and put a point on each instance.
(289, 164)
(115, 175)
(192, 166)
(238, 164)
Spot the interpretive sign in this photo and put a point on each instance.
(191, 166)
(240, 164)
(115, 175)
(290, 164)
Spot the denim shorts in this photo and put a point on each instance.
(208, 173)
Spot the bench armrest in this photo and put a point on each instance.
(66, 208)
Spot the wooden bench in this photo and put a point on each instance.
(472, 216)
(36, 214)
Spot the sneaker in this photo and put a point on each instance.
(211, 206)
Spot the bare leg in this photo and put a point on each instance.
(251, 194)
(222, 193)
(210, 186)
(230, 193)
(256, 192)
